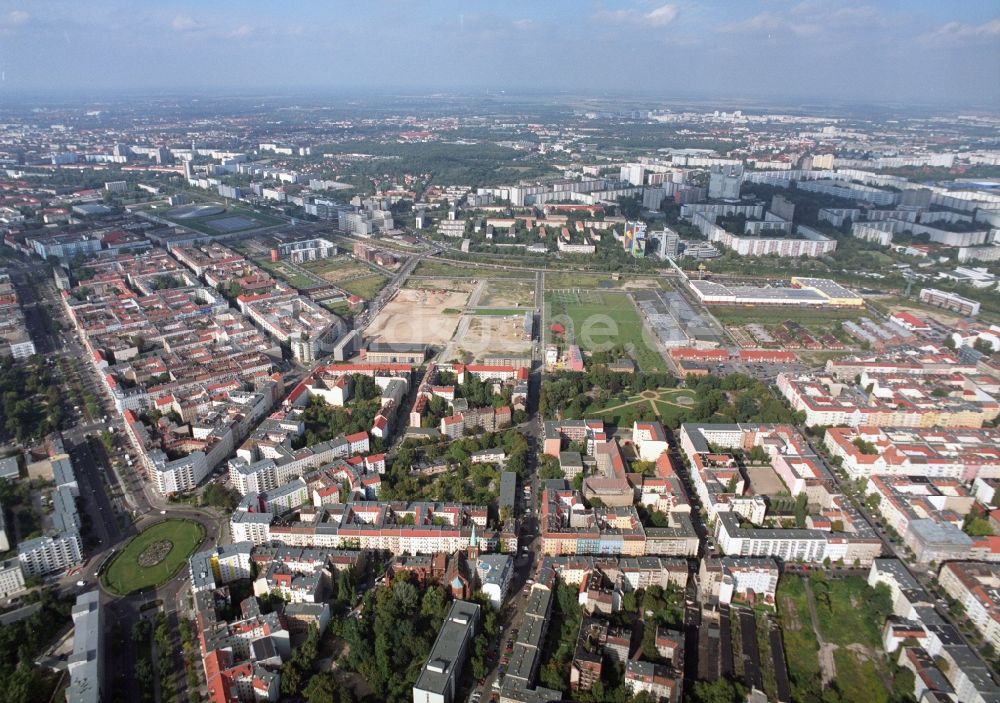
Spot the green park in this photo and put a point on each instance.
(153, 557)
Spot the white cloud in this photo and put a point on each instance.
(15, 17)
(764, 22)
(811, 18)
(952, 32)
(244, 30)
(183, 23)
(663, 15)
(657, 17)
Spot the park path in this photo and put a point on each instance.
(638, 401)
(827, 667)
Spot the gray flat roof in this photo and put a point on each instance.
(443, 660)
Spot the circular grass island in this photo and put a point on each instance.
(153, 556)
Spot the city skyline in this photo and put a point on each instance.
(883, 52)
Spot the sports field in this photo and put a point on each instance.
(153, 556)
(813, 317)
(229, 220)
(598, 320)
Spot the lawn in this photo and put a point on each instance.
(667, 403)
(600, 320)
(366, 287)
(801, 646)
(124, 575)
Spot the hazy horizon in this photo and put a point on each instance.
(882, 52)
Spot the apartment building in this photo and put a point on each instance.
(976, 586)
(949, 301)
(438, 679)
(963, 454)
(86, 663)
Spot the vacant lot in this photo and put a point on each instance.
(506, 293)
(418, 316)
(488, 334)
(439, 284)
(801, 645)
(172, 541)
(464, 270)
(848, 624)
(862, 678)
(366, 287)
(556, 280)
(843, 608)
(765, 481)
(284, 271)
(336, 269)
(599, 320)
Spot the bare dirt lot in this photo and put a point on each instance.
(423, 315)
(508, 293)
(414, 283)
(765, 481)
(493, 334)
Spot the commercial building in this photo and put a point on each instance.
(803, 292)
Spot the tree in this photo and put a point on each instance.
(864, 446)
(977, 526)
(983, 346)
(323, 688)
(719, 691)
(801, 509)
(549, 468)
(221, 497)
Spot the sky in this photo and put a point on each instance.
(893, 51)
